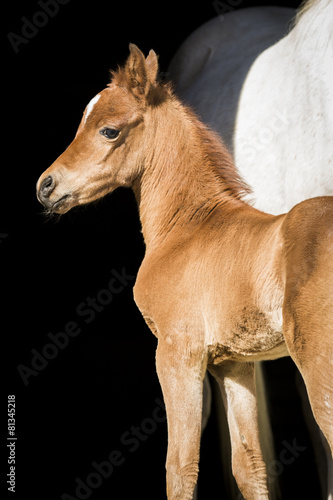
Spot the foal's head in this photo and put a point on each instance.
(109, 147)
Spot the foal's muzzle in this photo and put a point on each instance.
(44, 192)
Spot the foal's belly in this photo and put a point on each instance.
(251, 336)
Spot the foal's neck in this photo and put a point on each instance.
(188, 174)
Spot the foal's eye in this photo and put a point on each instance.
(110, 133)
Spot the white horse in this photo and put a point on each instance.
(264, 81)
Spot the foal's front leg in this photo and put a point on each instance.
(181, 372)
(236, 381)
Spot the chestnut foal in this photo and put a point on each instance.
(222, 285)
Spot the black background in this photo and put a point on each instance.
(75, 410)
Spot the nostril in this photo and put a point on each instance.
(47, 186)
(47, 181)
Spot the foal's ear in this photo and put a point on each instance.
(152, 66)
(141, 73)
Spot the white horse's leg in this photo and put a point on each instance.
(236, 381)
(181, 377)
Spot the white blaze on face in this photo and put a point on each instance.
(91, 105)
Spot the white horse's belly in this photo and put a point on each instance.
(283, 144)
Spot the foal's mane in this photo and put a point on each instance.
(219, 159)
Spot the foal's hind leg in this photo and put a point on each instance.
(236, 381)
(312, 351)
(308, 331)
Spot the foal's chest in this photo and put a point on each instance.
(232, 311)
